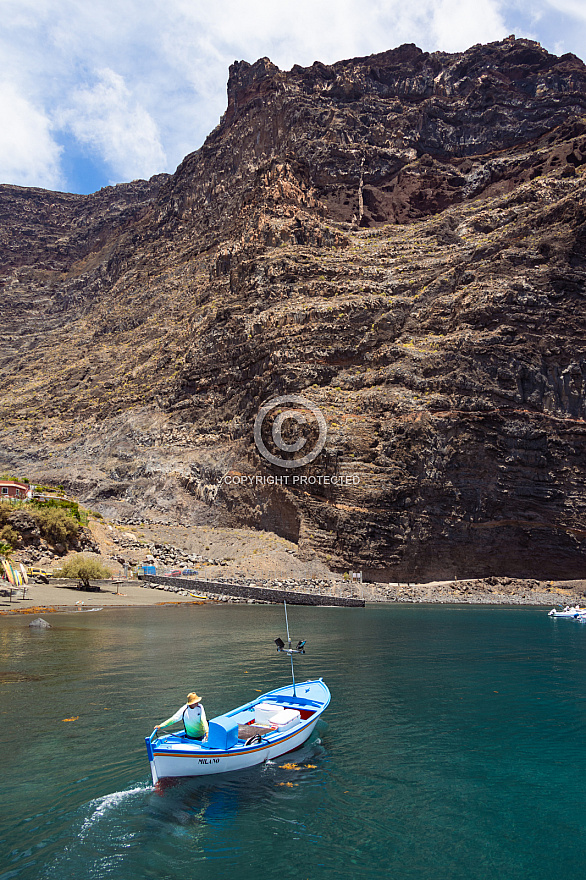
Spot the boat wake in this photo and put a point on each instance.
(102, 806)
(100, 837)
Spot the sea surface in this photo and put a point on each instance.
(454, 746)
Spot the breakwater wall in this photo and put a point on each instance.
(243, 591)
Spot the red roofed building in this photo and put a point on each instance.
(13, 489)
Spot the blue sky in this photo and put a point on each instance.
(96, 93)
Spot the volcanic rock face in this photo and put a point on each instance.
(401, 239)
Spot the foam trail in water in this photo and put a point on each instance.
(109, 801)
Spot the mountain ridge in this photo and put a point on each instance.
(336, 236)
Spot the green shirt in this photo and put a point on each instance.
(194, 720)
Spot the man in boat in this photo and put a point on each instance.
(193, 716)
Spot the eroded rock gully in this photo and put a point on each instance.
(399, 238)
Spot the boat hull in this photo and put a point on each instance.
(198, 764)
(571, 615)
(175, 756)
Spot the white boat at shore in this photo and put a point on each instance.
(573, 612)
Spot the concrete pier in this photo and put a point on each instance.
(243, 591)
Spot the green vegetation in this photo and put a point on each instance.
(6, 508)
(5, 548)
(56, 526)
(85, 568)
(9, 536)
(72, 507)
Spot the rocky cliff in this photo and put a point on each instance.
(401, 239)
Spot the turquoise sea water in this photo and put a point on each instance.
(454, 746)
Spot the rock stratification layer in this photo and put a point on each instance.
(401, 239)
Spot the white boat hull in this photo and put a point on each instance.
(176, 756)
(573, 614)
(203, 765)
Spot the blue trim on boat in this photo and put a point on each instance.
(279, 695)
(292, 701)
(236, 750)
(149, 747)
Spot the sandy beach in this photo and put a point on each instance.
(62, 595)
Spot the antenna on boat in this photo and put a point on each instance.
(289, 650)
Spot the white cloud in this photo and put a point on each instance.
(575, 8)
(28, 154)
(330, 30)
(459, 24)
(108, 118)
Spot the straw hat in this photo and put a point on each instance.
(193, 699)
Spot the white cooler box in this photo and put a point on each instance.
(285, 718)
(263, 712)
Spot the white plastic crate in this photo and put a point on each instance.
(263, 712)
(285, 718)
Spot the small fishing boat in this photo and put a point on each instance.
(271, 725)
(574, 612)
